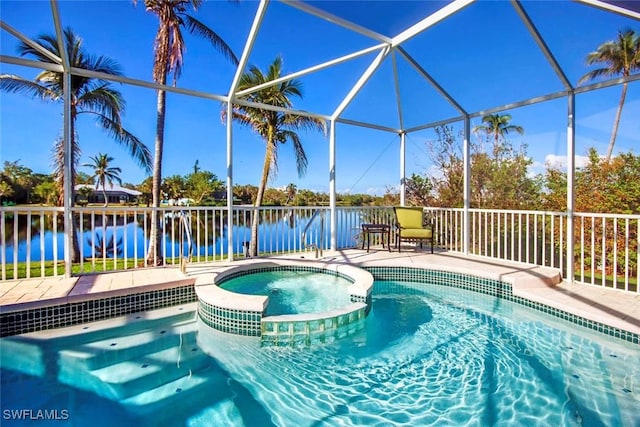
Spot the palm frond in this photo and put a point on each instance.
(137, 149)
(176, 50)
(301, 156)
(198, 28)
(15, 84)
(304, 123)
(619, 57)
(47, 41)
(104, 101)
(102, 64)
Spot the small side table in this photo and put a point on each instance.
(383, 229)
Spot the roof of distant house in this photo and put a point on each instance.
(110, 189)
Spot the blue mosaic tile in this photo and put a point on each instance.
(494, 288)
(38, 319)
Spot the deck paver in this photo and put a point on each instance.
(612, 307)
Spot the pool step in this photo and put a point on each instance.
(132, 377)
(201, 389)
(152, 366)
(123, 366)
(131, 324)
(99, 354)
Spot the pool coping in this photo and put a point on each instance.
(243, 314)
(207, 284)
(538, 284)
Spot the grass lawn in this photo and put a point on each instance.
(88, 266)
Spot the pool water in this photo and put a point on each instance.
(294, 292)
(428, 355)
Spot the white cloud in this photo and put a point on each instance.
(560, 162)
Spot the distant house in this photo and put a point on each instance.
(115, 194)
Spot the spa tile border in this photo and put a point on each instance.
(495, 288)
(237, 314)
(106, 307)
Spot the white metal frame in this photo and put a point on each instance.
(386, 46)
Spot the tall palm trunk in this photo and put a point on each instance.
(154, 256)
(104, 194)
(616, 121)
(255, 220)
(75, 247)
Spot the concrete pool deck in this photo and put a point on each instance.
(539, 284)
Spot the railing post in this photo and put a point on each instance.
(571, 169)
(251, 38)
(467, 185)
(67, 173)
(403, 171)
(230, 181)
(332, 184)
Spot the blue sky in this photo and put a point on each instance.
(483, 56)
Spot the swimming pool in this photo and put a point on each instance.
(294, 291)
(427, 355)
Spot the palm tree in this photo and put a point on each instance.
(291, 191)
(621, 57)
(57, 157)
(274, 127)
(168, 52)
(89, 95)
(104, 174)
(497, 126)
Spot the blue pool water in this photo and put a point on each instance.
(294, 292)
(427, 355)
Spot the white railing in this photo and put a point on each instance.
(114, 238)
(609, 250)
(605, 245)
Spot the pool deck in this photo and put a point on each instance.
(544, 285)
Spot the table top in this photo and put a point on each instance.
(373, 226)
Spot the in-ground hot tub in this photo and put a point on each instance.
(340, 312)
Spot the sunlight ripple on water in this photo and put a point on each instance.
(431, 360)
(426, 355)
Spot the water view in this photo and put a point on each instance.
(125, 235)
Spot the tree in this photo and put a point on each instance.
(497, 126)
(274, 127)
(498, 181)
(20, 179)
(611, 186)
(47, 192)
(57, 159)
(5, 190)
(146, 187)
(446, 155)
(202, 185)
(246, 194)
(174, 186)
(291, 192)
(104, 173)
(620, 57)
(83, 194)
(89, 95)
(274, 197)
(168, 53)
(83, 178)
(419, 190)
